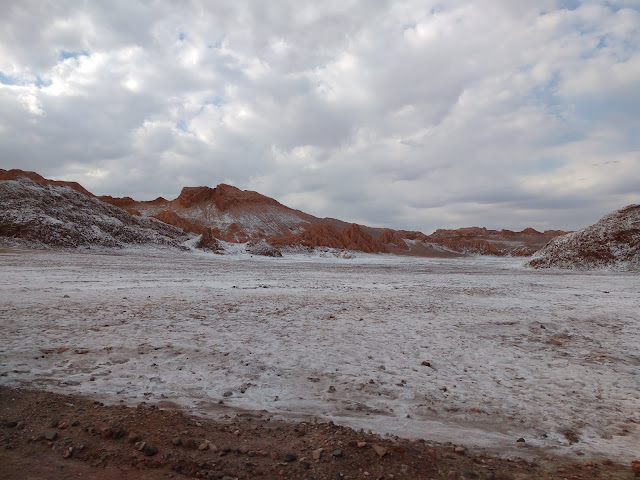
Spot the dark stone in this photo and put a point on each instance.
(50, 434)
(149, 450)
(118, 433)
(10, 424)
(470, 475)
(337, 452)
(290, 457)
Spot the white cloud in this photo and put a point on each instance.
(409, 114)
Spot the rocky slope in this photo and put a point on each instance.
(613, 242)
(233, 215)
(61, 214)
(481, 241)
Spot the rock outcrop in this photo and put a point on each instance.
(481, 241)
(15, 174)
(50, 213)
(613, 242)
(239, 216)
(261, 247)
(209, 242)
(352, 237)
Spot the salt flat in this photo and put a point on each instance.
(548, 356)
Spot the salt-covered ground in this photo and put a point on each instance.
(548, 356)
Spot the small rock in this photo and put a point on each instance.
(118, 433)
(10, 424)
(243, 450)
(176, 441)
(290, 457)
(75, 423)
(470, 475)
(149, 450)
(316, 454)
(398, 447)
(133, 437)
(305, 465)
(607, 462)
(331, 389)
(460, 450)
(337, 452)
(203, 446)
(425, 363)
(66, 296)
(63, 425)
(50, 435)
(190, 443)
(68, 453)
(380, 450)
(227, 394)
(520, 440)
(106, 432)
(140, 446)
(361, 444)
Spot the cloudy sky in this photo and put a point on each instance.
(408, 114)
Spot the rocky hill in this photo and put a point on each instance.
(613, 242)
(233, 215)
(61, 214)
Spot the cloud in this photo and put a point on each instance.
(408, 114)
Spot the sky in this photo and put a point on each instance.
(404, 114)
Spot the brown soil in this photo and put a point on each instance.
(50, 436)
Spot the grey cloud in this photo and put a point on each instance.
(409, 114)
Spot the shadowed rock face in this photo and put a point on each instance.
(613, 242)
(15, 174)
(58, 214)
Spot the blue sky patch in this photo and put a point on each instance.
(7, 80)
(64, 54)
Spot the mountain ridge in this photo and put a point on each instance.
(239, 216)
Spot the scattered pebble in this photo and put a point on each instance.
(380, 450)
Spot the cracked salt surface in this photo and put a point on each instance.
(512, 352)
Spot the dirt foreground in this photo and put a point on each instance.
(50, 436)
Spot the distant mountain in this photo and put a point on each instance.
(613, 242)
(233, 215)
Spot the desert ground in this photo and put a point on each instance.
(480, 355)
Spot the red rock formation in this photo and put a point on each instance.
(172, 218)
(392, 237)
(123, 202)
(235, 215)
(352, 237)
